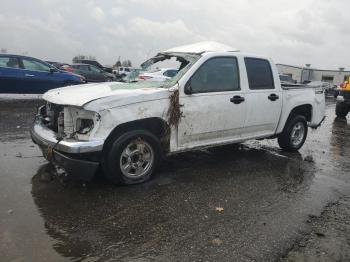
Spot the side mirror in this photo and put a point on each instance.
(188, 88)
(53, 70)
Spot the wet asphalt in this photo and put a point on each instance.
(247, 202)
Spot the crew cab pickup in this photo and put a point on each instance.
(219, 96)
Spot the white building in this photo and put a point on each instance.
(307, 73)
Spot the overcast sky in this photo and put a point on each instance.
(293, 32)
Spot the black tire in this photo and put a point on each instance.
(341, 109)
(112, 161)
(285, 140)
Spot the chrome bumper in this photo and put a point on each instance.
(44, 136)
(78, 168)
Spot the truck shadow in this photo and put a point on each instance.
(100, 219)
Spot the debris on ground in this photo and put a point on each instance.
(216, 241)
(309, 158)
(219, 209)
(319, 234)
(19, 155)
(329, 239)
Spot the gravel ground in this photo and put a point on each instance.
(251, 202)
(329, 239)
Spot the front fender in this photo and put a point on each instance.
(113, 117)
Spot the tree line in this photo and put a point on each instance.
(118, 63)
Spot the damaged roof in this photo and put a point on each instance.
(202, 47)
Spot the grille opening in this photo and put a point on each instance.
(52, 113)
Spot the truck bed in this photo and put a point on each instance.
(318, 89)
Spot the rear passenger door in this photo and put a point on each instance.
(264, 99)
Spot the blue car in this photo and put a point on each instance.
(27, 75)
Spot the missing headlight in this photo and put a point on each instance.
(84, 126)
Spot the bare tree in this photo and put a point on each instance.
(82, 57)
(118, 64)
(127, 63)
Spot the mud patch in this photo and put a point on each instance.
(174, 113)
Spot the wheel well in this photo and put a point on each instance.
(304, 110)
(156, 126)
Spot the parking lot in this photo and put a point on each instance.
(248, 202)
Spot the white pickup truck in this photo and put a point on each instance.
(219, 96)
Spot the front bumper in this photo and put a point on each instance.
(79, 158)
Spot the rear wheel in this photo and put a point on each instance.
(341, 109)
(294, 133)
(132, 158)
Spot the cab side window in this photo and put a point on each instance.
(259, 74)
(85, 67)
(35, 65)
(95, 69)
(218, 74)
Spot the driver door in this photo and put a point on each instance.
(215, 108)
(36, 77)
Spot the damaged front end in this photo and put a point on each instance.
(69, 122)
(64, 134)
(71, 133)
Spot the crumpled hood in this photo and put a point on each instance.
(81, 95)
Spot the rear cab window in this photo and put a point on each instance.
(259, 73)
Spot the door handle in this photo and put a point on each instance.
(273, 97)
(28, 75)
(237, 99)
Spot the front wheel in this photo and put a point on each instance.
(294, 134)
(132, 158)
